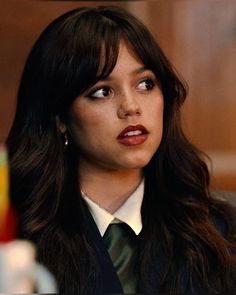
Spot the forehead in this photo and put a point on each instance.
(125, 57)
(126, 51)
(127, 61)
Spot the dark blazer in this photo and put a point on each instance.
(110, 281)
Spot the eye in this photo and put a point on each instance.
(100, 92)
(146, 84)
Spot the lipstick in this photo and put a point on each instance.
(133, 135)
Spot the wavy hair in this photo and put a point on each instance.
(178, 211)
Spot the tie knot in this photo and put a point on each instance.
(118, 231)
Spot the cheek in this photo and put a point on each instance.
(156, 111)
(86, 124)
(159, 108)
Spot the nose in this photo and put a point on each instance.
(128, 106)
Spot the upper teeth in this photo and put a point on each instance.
(132, 133)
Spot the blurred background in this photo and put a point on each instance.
(198, 36)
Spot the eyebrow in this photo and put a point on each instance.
(133, 73)
(140, 70)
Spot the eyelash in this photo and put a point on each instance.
(91, 93)
(151, 82)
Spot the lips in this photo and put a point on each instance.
(133, 135)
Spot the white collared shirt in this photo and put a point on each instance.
(129, 212)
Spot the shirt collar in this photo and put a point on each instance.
(129, 212)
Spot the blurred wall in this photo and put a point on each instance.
(199, 37)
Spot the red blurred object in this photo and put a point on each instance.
(9, 230)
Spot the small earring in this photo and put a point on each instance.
(66, 142)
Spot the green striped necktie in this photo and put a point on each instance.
(122, 245)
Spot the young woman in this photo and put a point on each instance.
(96, 140)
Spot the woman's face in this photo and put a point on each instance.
(118, 122)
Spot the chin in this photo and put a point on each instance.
(137, 163)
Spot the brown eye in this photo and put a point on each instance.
(146, 85)
(100, 93)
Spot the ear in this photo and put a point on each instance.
(60, 125)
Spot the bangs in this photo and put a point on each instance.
(81, 47)
(92, 51)
(74, 52)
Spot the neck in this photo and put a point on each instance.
(108, 188)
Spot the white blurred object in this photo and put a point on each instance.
(19, 273)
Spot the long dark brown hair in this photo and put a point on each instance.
(180, 217)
